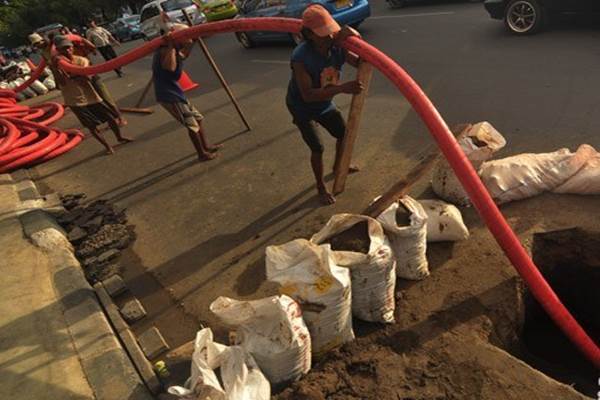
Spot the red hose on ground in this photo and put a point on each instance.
(28, 139)
(478, 194)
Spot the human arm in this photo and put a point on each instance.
(310, 94)
(111, 38)
(168, 54)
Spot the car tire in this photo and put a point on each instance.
(524, 17)
(245, 40)
(356, 25)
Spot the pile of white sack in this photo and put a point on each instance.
(520, 176)
(275, 338)
(41, 86)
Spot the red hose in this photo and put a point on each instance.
(28, 139)
(477, 192)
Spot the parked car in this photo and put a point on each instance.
(216, 10)
(47, 29)
(523, 17)
(127, 28)
(150, 23)
(345, 12)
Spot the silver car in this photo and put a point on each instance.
(150, 21)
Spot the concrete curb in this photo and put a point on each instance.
(107, 366)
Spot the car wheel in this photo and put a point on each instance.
(245, 40)
(523, 17)
(357, 24)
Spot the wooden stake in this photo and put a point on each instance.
(403, 186)
(364, 74)
(136, 110)
(144, 93)
(217, 71)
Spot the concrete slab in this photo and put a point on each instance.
(153, 343)
(114, 285)
(133, 311)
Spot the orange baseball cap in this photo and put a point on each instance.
(317, 19)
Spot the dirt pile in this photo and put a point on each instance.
(354, 239)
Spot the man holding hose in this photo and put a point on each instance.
(166, 71)
(316, 67)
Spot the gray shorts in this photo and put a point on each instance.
(186, 114)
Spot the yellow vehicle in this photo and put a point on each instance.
(216, 10)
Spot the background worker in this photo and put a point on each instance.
(167, 66)
(316, 68)
(81, 96)
(103, 40)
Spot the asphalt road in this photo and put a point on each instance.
(202, 227)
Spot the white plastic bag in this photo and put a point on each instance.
(444, 222)
(409, 243)
(478, 144)
(527, 175)
(273, 331)
(241, 377)
(308, 274)
(373, 274)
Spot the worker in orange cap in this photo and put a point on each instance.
(316, 68)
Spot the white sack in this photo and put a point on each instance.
(308, 274)
(527, 175)
(50, 83)
(241, 377)
(38, 87)
(444, 222)
(587, 179)
(373, 274)
(273, 331)
(478, 144)
(409, 243)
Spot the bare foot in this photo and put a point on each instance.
(121, 121)
(206, 156)
(326, 197)
(125, 139)
(214, 148)
(110, 151)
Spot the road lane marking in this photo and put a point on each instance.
(270, 62)
(412, 15)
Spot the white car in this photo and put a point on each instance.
(150, 22)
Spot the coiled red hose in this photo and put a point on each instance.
(477, 192)
(27, 137)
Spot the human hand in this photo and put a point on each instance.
(346, 32)
(352, 87)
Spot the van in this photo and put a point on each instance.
(150, 22)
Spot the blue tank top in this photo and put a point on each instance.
(166, 87)
(322, 71)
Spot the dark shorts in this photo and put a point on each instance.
(93, 115)
(332, 121)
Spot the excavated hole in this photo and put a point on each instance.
(570, 262)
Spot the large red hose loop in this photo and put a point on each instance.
(35, 74)
(477, 192)
(11, 135)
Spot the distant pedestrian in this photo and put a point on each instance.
(316, 68)
(81, 96)
(167, 67)
(103, 40)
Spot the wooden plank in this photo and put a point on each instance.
(403, 186)
(217, 71)
(364, 74)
